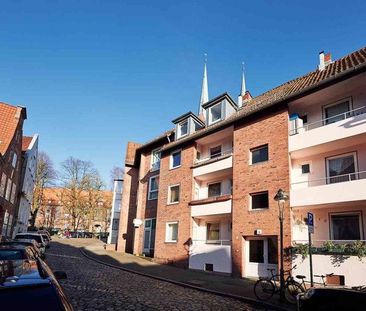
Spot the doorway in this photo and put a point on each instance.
(149, 237)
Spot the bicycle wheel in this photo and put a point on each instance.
(292, 289)
(264, 289)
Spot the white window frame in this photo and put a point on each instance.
(358, 213)
(167, 231)
(213, 223)
(169, 194)
(210, 113)
(257, 193)
(354, 153)
(152, 159)
(255, 149)
(150, 191)
(171, 158)
(180, 128)
(350, 106)
(212, 183)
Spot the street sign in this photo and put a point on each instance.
(310, 222)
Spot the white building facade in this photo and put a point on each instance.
(116, 209)
(29, 154)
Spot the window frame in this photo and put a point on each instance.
(216, 146)
(354, 153)
(221, 113)
(152, 168)
(258, 148)
(172, 159)
(212, 223)
(150, 191)
(170, 194)
(180, 128)
(303, 164)
(167, 231)
(214, 183)
(347, 213)
(324, 107)
(251, 200)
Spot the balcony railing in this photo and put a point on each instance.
(329, 244)
(214, 197)
(215, 156)
(332, 179)
(330, 120)
(212, 242)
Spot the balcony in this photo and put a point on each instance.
(327, 134)
(335, 189)
(218, 205)
(216, 253)
(208, 166)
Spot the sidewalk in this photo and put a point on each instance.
(224, 284)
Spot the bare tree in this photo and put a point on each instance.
(81, 191)
(45, 177)
(116, 173)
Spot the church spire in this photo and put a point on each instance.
(204, 91)
(243, 86)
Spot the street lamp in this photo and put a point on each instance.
(281, 197)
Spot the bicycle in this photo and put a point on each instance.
(265, 288)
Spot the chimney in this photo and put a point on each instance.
(327, 59)
(321, 61)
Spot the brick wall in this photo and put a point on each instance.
(268, 128)
(175, 253)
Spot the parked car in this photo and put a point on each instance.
(335, 299)
(36, 246)
(17, 252)
(45, 232)
(33, 282)
(45, 235)
(33, 236)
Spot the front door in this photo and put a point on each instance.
(149, 236)
(261, 254)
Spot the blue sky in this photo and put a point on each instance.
(95, 74)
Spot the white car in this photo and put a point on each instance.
(31, 236)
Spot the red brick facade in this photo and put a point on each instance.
(171, 252)
(272, 129)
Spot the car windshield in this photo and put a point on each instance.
(30, 237)
(11, 254)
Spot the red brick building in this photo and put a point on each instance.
(11, 132)
(202, 195)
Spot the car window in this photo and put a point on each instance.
(31, 237)
(11, 254)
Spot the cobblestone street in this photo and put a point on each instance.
(92, 286)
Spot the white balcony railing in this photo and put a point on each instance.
(331, 180)
(211, 242)
(215, 156)
(330, 120)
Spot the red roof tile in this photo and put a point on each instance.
(26, 140)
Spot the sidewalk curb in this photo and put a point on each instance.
(251, 301)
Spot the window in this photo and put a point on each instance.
(272, 250)
(259, 154)
(256, 251)
(304, 119)
(183, 128)
(341, 168)
(209, 267)
(214, 190)
(213, 232)
(345, 226)
(171, 232)
(8, 189)
(305, 168)
(216, 113)
(12, 198)
(336, 112)
(153, 188)
(2, 185)
(215, 152)
(175, 159)
(259, 200)
(155, 159)
(174, 194)
(15, 158)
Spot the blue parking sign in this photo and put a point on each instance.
(310, 222)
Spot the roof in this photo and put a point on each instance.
(14, 273)
(186, 116)
(219, 99)
(26, 140)
(342, 68)
(10, 117)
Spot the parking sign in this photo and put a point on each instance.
(310, 222)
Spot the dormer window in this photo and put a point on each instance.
(183, 128)
(215, 113)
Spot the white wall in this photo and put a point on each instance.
(351, 267)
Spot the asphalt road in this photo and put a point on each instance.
(93, 286)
